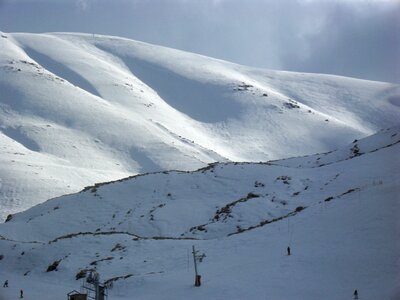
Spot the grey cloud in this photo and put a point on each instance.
(353, 41)
(352, 38)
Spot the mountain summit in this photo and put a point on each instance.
(76, 109)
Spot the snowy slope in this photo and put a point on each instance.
(382, 139)
(77, 109)
(340, 219)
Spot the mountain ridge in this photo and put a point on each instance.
(90, 108)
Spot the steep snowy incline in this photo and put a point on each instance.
(191, 203)
(99, 108)
(339, 219)
(383, 139)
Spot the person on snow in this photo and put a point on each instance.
(288, 250)
(5, 283)
(21, 294)
(355, 294)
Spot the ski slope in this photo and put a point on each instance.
(76, 109)
(340, 219)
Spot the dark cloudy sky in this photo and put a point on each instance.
(358, 38)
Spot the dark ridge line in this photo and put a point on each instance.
(94, 263)
(387, 146)
(227, 209)
(222, 213)
(358, 155)
(293, 213)
(265, 222)
(136, 237)
(357, 189)
(111, 280)
(96, 185)
(2, 238)
(334, 162)
(203, 169)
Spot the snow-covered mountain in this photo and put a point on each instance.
(338, 212)
(77, 109)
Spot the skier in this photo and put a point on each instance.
(288, 250)
(355, 294)
(5, 283)
(21, 294)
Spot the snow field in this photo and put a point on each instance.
(102, 108)
(345, 238)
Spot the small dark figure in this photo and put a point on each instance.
(355, 294)
(21, 294)
(5, 283)
(288, 250)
